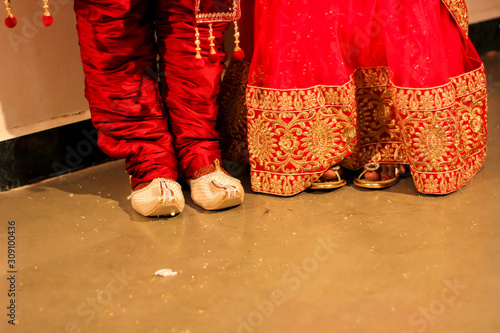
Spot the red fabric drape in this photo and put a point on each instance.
(304, 43)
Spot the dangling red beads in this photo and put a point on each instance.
(238, 53)
(213, 58)
(47, 19)
(10, 20)
(199, 63)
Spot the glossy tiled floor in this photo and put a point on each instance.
(345, 261)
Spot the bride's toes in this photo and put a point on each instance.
(330, 174)
(372, 175)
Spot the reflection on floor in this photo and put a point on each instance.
(349, 260)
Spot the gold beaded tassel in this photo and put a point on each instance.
(47, 19)
(238, 53)
(10, 20)
(198, 60)
(213, 57)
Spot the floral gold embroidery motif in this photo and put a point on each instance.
(433, 142)
(261, 142)
(476, 124)
(320, 138)
(288, 143)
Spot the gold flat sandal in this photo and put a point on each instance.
(375, 184)
(323, 184)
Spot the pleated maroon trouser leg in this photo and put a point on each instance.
(119, 55)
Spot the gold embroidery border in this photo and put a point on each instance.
(458, 9)
(445, 96)
(450, 181)
(414, 99)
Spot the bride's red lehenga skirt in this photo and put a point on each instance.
(352, 82)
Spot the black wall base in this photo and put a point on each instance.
(486, 36)
(32, 158)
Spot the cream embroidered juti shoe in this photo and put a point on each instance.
(161, 197)
(216, 190)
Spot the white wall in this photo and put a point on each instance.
(483, 10)
(41, 77)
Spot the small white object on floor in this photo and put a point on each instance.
(165, 272)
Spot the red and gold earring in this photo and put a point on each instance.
(238, 53)
(10, 20)
(47, 19)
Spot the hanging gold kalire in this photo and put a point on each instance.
(214, 11)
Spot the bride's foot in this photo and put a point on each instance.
(376, 176)
(331, 179)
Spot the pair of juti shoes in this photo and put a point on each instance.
(361, 180)
(213, 191)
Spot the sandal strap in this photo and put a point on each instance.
(373, 166)
(336, 170)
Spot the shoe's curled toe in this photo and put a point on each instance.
(216, 190)
(161, 197)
